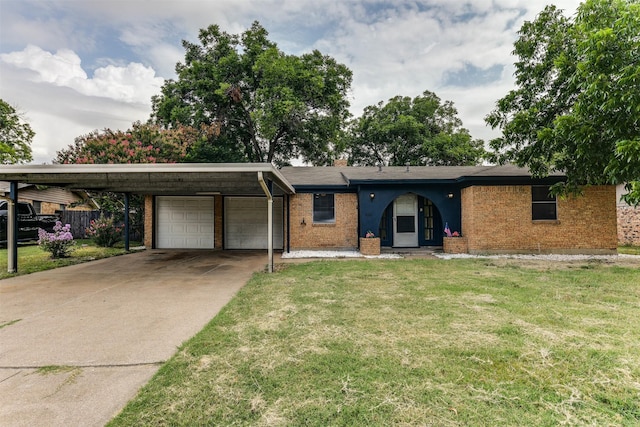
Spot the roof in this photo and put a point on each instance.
(242, 178)
(154, 178)
(355, 175)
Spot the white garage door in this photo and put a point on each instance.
(246, 222)
(184, 222)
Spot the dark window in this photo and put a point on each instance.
(428, 219)
(543, 203)
(406, 224)
(324, 208)
(23, 209)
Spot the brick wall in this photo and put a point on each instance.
(343, 234)
(628, 225)
(148, 221)
(498, 219)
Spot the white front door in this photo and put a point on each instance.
(405, 221)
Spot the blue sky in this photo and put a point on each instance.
(73, 66)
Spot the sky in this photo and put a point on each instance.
(74, 66)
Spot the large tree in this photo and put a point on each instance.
(418, 131)
(143, 143)
(270, 106)
(576, 106)
(15, 136)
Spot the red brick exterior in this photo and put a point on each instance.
(370, 246)
(454, 245)
(628, 225)
(343, 234)
(497, 219)
(148, 222)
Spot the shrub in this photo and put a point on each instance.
(60, 242)
(104, 231)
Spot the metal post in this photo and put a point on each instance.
(269, 194)
(126, 222)
(270, 232)
(12, 228)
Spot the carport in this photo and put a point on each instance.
(158, 179)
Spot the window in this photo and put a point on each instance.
(324, 209)
(543, 204)
(428, 219)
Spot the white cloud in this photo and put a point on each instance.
(59, 114)
(133, 83)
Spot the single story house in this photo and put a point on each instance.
(49, 200)
(496, 209)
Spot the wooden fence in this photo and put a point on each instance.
(79, 221)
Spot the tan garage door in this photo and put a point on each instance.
(246, 223)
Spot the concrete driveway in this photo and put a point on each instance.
(78, 342)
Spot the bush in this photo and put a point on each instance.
(104, 231)
(60, 242)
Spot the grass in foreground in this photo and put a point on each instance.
(629, 249)
(32, 259)
(420, 342)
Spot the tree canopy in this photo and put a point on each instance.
(418, 131)
(15, 136)
(576, 106)
(143, 143)
(269, 106)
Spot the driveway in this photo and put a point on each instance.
(78, 342)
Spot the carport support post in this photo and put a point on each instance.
(268, 192)
(12, 228)
(126, 222)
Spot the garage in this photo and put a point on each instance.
(179, 200)
(184, 222)
(246, 223)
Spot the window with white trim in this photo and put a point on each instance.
(324, 209)
(543, 203)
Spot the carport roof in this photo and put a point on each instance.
(156, 178)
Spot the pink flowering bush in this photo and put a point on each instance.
(104, 231)
(60, 242)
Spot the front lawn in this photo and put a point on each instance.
(32, 259)
(411, 342)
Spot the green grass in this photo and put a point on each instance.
(412, 342)
(629, 249)
(32, 259)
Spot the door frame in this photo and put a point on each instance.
(386, 227)
(405, 239)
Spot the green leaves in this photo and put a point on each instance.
(270, 106)
(576, 104)
(15, 136)
(418, 131)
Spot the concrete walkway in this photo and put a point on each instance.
(77, 343)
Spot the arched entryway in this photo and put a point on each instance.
(411, 220)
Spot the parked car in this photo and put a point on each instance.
(28, 222)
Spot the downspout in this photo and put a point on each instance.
(12, 228)
(263, 184)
